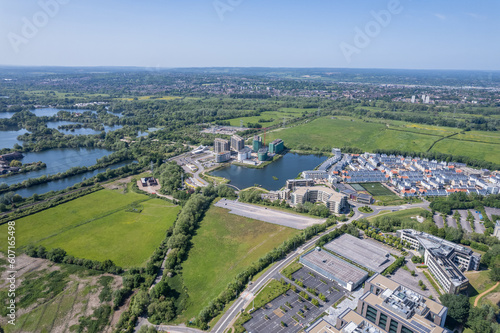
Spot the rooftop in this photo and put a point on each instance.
(363, 252)
(335, 266)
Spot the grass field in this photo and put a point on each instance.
(326, 132)
(406, 214)
(224, 246)
(479, 281)
(275, 116)
(376, 189)
(98, 227)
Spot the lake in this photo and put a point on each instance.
(9, 138)
(6, 115)
(287, 167)
(57, 160)
(53, 111)
(61, 184)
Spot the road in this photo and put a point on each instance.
(242, 302)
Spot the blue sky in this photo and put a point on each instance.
(421, 34)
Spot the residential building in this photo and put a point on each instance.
(237, 143)
(222, 156)
(257, 143)
(262, 154)
(220, 145)
(335, 201)
(277, 146)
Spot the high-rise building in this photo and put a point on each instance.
(413, 99)
(276, 147)
(220, 145)
(257, 143)
(262, 154)
(237, 143)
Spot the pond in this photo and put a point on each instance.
(287, 167)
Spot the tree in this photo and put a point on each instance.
(15, 164)
(458, 308)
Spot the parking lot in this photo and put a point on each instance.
(290, 302)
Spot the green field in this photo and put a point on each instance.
(225, 244)
(98, 227)
(326, 132)
(376, 189)
(276, 116)
(407, 214)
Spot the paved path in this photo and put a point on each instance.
(484, 293)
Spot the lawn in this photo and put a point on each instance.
(98, 227)
(225, 244)
(276, 117)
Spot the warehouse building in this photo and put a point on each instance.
(335, 201)
(446, 260)
(334, 268)
(387, 306)
(362, 252)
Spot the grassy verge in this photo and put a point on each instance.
(432, 282)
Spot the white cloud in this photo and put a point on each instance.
(440, 16)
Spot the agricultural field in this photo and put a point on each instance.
(224, 246)
(108, 224)
(326, 132)
(55, 296)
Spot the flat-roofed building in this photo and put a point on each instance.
(446, 260)
(237, 142)
(334, 268)
(334, 201)
(387, 306)
(362, 252)
(220, 145)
